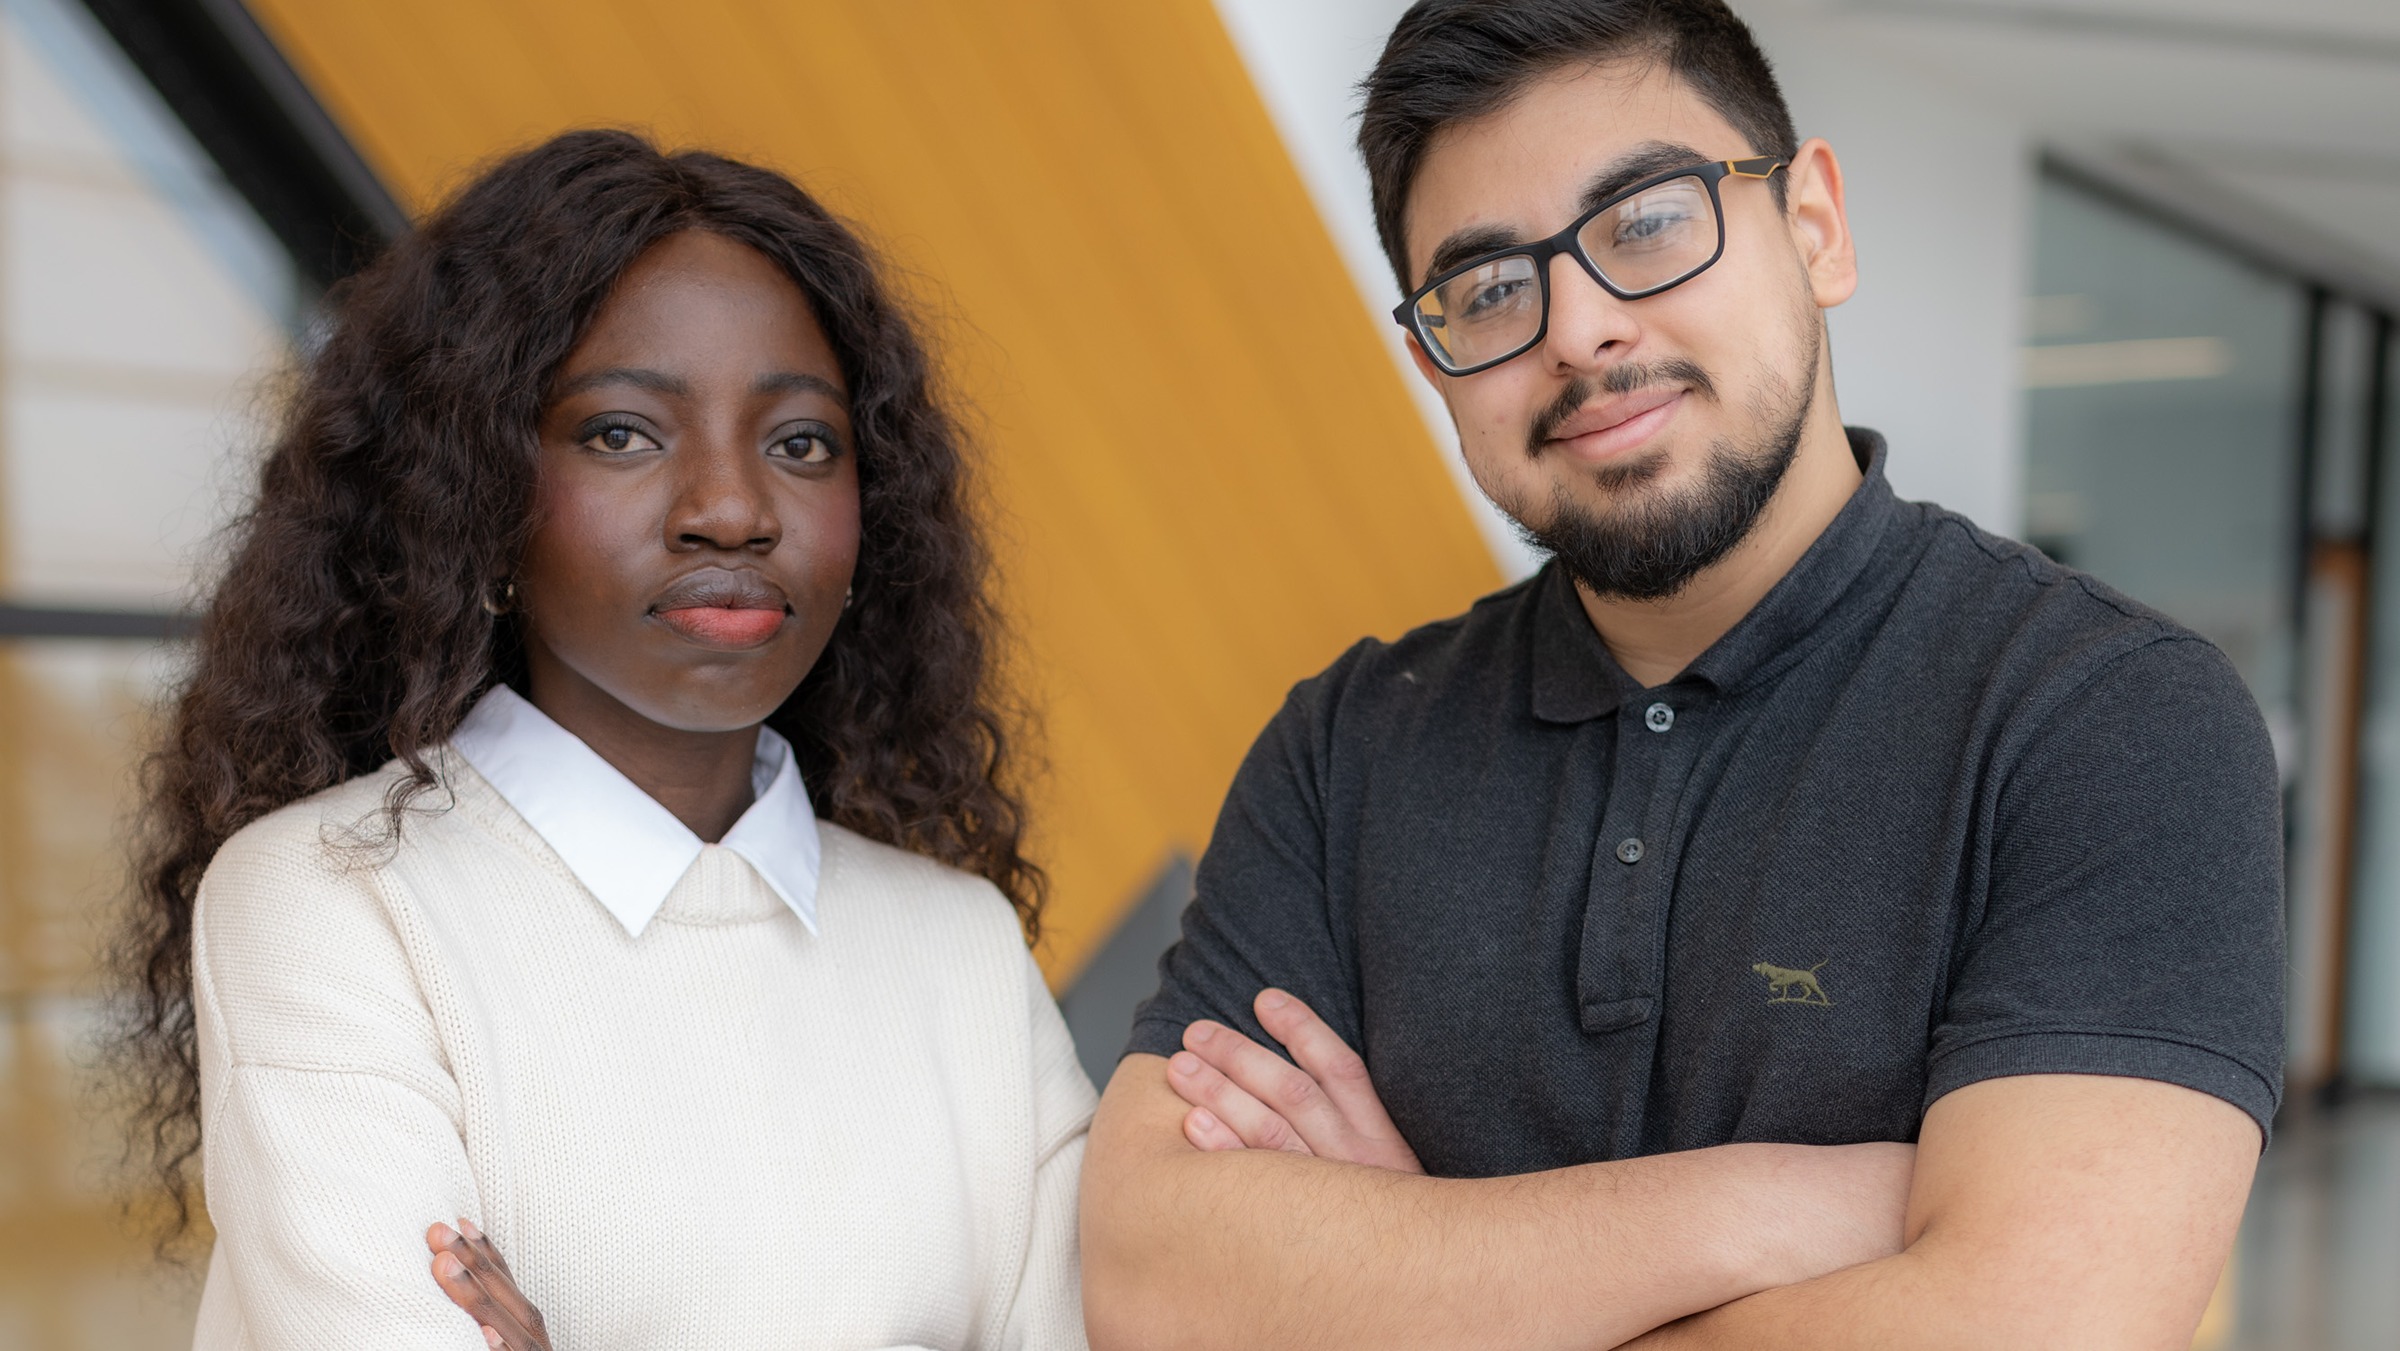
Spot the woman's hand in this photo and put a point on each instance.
(476, 1278)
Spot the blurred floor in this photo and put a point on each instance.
(2318, 1267)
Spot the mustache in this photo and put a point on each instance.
(1620, 379)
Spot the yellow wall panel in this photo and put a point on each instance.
(1207, 478)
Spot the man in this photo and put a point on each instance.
(1667, 896)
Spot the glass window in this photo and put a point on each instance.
(143, 309)
(2163, 408)
(2371, 1051)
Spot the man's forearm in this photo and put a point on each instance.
(1888, 1305)
(2048, 1210)
(1249, 1248)
(1918, 1299)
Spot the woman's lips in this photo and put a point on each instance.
(721, 626)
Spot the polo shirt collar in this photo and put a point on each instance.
(625, 848)
(1576, 677)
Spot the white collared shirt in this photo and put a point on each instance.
(625, 848)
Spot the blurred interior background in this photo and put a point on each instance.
(2131, 274)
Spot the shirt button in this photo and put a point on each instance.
(1659, 717)
(1629, 851)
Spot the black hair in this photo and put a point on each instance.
(1451, 61)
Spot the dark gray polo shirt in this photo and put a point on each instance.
(1938, 810)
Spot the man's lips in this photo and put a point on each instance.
(1604, 428)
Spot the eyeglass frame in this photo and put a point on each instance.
(1542, 251)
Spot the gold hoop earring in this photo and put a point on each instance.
(506, 602)
(847, 597)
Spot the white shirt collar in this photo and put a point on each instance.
(625, 848)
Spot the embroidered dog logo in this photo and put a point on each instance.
(1786, 986)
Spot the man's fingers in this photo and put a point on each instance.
(1257, 1125)
(1208, 1134)
(1286, 1089)
(1341, 1075)
(1337, 1068)
(1318, 1049)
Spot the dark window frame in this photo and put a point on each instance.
(223, 78)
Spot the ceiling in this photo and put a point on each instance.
(2277, 122)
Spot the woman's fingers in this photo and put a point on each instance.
(471, 1271)
(486, 1249)
(459, 1284)
(500, 1328)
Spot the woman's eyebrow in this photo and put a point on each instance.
(798, 382)
(657, 382)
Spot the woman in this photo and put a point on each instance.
(587, 816)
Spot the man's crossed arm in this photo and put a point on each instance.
(1217, 1245)
(1233, 1198)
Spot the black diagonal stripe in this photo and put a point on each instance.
(46, 621)
(226, 82)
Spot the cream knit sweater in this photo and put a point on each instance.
(726, 1133)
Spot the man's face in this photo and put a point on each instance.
(1639, 440)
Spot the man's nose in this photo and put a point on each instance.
(1587, 324)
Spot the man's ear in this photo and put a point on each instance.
(1425, 366)
(1820, 224)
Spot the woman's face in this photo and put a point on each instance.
(695, 515)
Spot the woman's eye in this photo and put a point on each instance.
(618, 440)
(806, 447)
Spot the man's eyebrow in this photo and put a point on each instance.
(1650, 157)
(657, 382)
(1473, 242)
(797, 382)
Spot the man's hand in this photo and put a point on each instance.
(476, 1278)
(1333, 1255)
(1245, 1096)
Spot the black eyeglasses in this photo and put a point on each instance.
(1657, 234)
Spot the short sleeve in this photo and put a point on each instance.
(2133, 923)
(1260, 913)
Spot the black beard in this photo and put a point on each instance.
(1651, 547)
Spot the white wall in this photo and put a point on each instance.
(1940, 198)
(1941, 202)
(1307, 57)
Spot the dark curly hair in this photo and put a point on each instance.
(348, 627)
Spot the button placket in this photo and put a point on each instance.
(1613, 980)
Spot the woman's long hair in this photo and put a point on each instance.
(348, 628)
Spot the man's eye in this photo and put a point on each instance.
(1652, 226)
(618, 439)
(1485, 301)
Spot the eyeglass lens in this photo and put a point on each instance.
(1655, 238)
